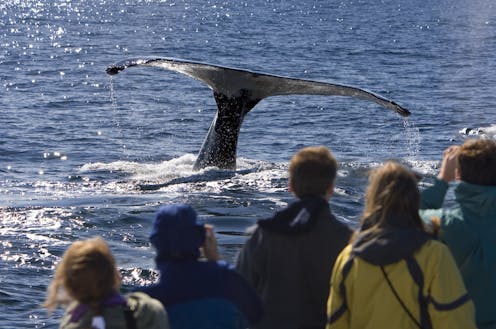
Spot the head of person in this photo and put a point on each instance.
(392, 199)
(312, 171)
(176, 234)
(87, 273)
(477, 162)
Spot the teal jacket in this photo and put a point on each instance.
(469, 230)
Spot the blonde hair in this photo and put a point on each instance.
(392, 199)
(312, 171)
(477, 161)
(87, 273)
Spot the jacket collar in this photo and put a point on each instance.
(298, 218)
(388, 245)
(79, 311)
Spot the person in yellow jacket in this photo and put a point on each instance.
(393, 274)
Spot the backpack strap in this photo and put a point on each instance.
(418, 278)
(342, 292)
(398, 298)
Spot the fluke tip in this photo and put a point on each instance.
(113, 69)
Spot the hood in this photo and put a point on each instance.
(176, 235)
(298, 218)
(479, 199)
(389, 245)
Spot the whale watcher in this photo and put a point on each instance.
(197, 293)
(468, 225)
(393, 274)
(87, 281)
(289, 257)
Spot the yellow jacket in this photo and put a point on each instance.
(369, 301)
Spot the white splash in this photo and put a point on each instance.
(482, 132)
(150, 172)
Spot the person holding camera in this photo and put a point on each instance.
(197, 293)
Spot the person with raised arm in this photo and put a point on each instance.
(468, 226)
(198, 292)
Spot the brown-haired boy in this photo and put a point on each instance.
(289, 257)
(469, 227)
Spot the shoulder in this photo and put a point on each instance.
(148, 312)
(228, 274)
(66, 323)
(220, 274)
(140, 298)
(335, 231)
(255, 233)
(221, 267)
(433, 248)
(455, 229)
(344, 256)
(434, 254)
(346, 252)
(257, 237)
(330, 219)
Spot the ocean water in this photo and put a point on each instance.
(83, 154)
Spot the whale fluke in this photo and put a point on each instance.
(236, 92)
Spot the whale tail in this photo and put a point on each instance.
(238, 91)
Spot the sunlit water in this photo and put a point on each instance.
(83, 155)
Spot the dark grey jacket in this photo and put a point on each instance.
(289, 259)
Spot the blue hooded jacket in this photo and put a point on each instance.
(197, 294)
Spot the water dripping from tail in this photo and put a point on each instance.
(116, 118)
(413, 138)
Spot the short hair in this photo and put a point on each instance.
(87, 273)
(312, 171)
(477, 161)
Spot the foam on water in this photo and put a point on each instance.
(151, 172)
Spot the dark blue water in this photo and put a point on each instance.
(82, 155)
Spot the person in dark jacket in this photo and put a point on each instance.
(289, 257)
(197, 293)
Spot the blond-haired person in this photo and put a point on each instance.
(289, 257)
(87, 282)
(392, 274)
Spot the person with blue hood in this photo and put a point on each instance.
(289, 257)
(468, 226)
(197, 293)
(393, 274)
